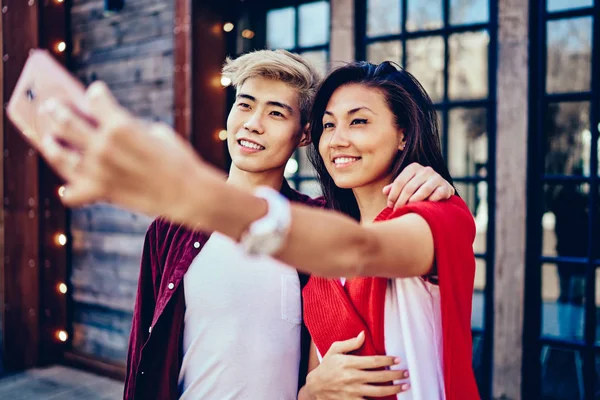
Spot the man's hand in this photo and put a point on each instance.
(343, 376)
(417, 183)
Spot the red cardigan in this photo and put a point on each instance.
(334, 313)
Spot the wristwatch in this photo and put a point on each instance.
(267, 235)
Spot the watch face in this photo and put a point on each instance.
(266, 243)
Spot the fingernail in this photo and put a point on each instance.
(397, 360)
(405, 387)
(406, 374)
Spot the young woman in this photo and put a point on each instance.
(410, 271)
(369, 122)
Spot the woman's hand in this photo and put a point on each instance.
(121, 159)
(343, 376)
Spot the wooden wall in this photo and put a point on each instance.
(19, 266)
(132, 51)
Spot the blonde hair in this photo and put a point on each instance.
(280, 65)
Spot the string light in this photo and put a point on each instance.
(61, 239)
(62, 336)
(248, 34)
(291, 168)
(62, 288)
(225, 81)
(61, 46)
(228, 27)
(59, 1)
(61, 191)
(223, 135)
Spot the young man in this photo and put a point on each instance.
(211, 322)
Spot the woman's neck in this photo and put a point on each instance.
(371, 200)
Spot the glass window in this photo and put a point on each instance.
(561, 5)
(469, 11)
(317, 58)
(424, 15)
(468, 65)
(314, 24)
(468, 142)
(281, 28)
(379, 52)
(425, 60)
(383, 17)
(569, 55)
(568, 139)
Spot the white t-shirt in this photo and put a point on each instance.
(413, 332)
(242, 326)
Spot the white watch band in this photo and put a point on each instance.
(267, 235)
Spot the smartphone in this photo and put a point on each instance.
(42, 78)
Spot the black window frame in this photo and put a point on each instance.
(539, 99)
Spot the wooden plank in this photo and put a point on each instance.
(182, 79)
(107, 218)
(21, 274)
(21, 290)
(209, 98)
(511, 179)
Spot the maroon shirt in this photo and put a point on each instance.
(155, 345)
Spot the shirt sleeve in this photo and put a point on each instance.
(453, 229)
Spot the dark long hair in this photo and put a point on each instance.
(412, 108)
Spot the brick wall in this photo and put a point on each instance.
(132, 51)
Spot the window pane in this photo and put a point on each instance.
(314, 23)
(478, 365)
(565, 222)
(559, 5)
(383, 17)
(562, 375)
(385, 51)
(311, 188)
(318, 59)
(467, 142)
(469, 11)
(281, 27)
(424, 15)
(475, 195)
(569, 59)
(477, 314)
(468, 66)
(563, 295)
(425, 60)
(305, 166)
(568, 139)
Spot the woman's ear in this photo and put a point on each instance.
(305, 139)
(401, 139)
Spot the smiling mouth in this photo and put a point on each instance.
(344, 161)
(250, 145)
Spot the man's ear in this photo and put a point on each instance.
(305, 139)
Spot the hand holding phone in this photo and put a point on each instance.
(43, 78)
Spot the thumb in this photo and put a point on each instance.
(346, 346)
